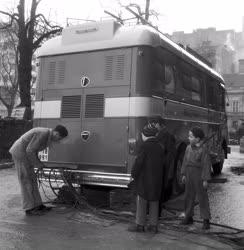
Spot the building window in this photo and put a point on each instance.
(235, 106)
(235, 124)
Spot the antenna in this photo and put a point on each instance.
(143, 20)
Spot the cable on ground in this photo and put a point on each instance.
(59, 177)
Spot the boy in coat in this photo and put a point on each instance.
(196, 173)
(166, 139)
(25, 156)
(147, 173)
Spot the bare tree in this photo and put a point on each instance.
(32, 30)
(136, 10)
(8, 69)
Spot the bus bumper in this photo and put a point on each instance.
(81, 177)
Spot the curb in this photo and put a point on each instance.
(6, 165)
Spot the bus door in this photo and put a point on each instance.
(61, 96)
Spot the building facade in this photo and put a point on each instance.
(235, 102)
(218, 47)
(225, 52)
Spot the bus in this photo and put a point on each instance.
(104, 81)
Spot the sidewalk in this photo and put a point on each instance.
(65, 228)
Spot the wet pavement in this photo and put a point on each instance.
(227, 199)
(67, 228)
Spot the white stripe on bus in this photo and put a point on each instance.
(47, 109)
(114, 107)
(132, 107)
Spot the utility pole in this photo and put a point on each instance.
(147, 10)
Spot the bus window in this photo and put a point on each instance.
(186, 86)
(158, 78)
(220, 97)
(210, 94)
(222, 93)
(164, 80)
(196, 89)
(169, 79)
(213, 94)
(189, 87)
(164, 75)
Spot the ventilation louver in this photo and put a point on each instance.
(108, 68)
(120, 65)
(56, 72)
(114, 67)
(71, 106)
(94, 106)
(61, 72)
(51, 72)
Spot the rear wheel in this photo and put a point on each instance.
(217, 167)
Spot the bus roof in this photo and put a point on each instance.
(110, 35)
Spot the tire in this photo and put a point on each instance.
(217, 168)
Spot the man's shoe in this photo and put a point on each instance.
(44, 208)
(187, 221)
(34, 212)
(206, 225)
(136, 228)
(152, 229)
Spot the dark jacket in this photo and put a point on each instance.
(168, 141)
(148, 169)
(197, 157)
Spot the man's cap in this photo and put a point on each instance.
(149, 130)
(156, 119)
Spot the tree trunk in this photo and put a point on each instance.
(32, 31)
(24, 78)
(9, 109)
(25, 56)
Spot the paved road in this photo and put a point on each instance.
(227, 199)
(68, 229)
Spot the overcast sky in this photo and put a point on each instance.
(175, 15)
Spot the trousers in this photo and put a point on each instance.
(28, 183)
(141, 211)
(194, 188)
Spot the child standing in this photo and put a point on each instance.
(147, 173)
(196, 173)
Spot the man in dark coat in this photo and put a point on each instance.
(167, 140)
(147, 173)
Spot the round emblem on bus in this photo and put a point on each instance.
(85, 81)
(85, 135)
